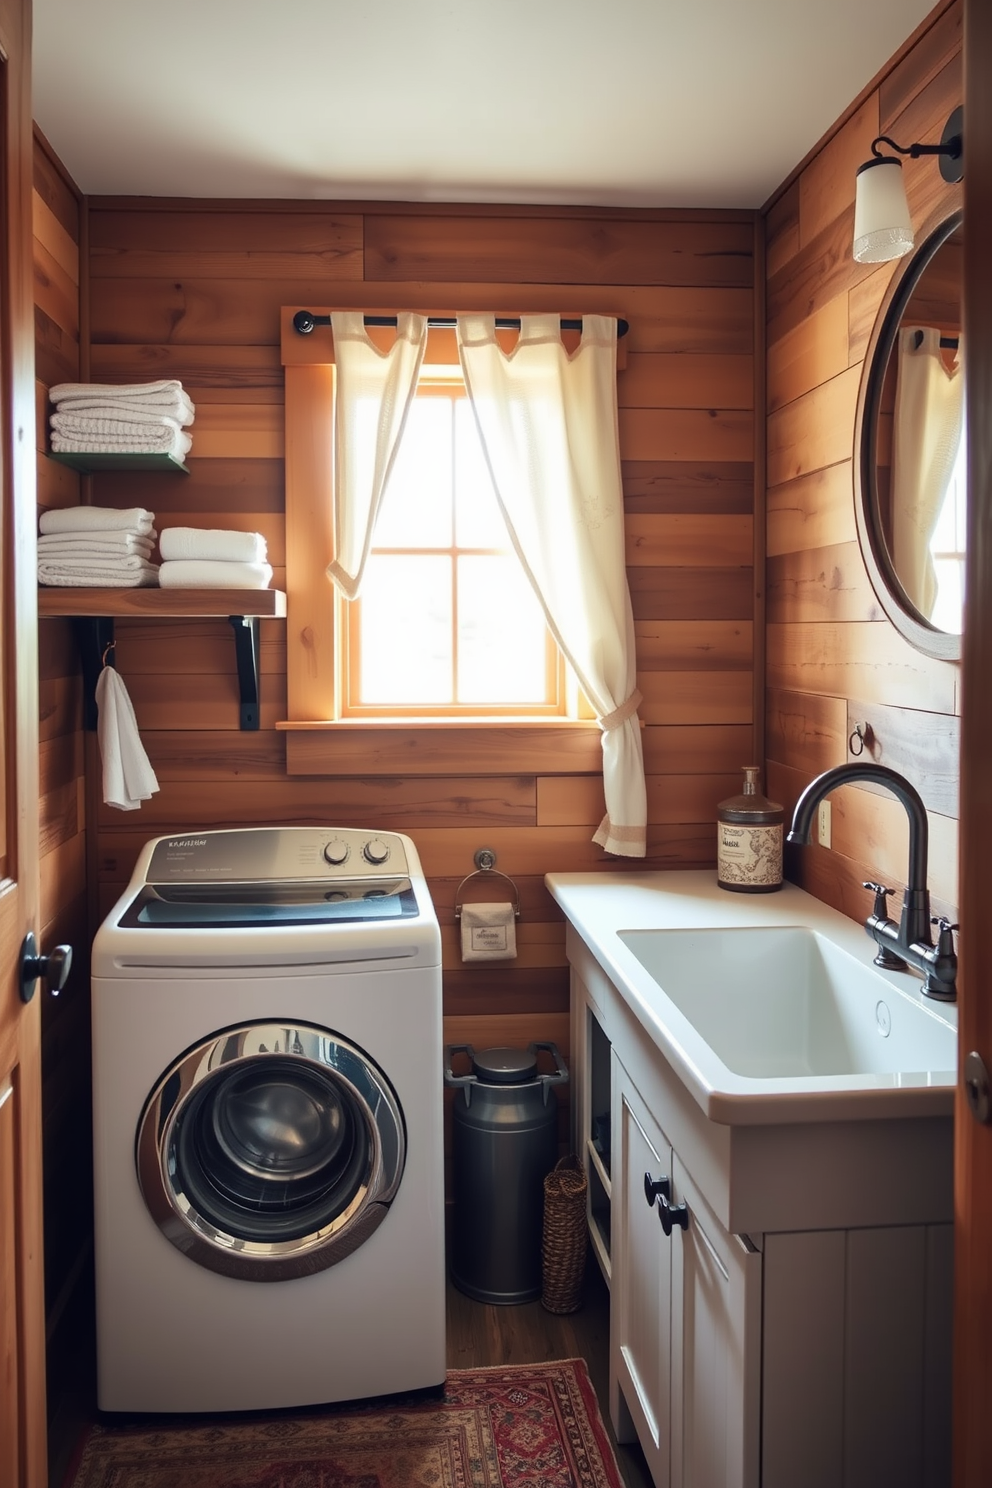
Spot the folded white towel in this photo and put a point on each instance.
(75, 546)
(128, 778)
(203, 574)
(134, 426)
(177, 407)
(138, 574)
(66, 392)
(489, 932)
(97, 519)
(153, 442)
(212, 543)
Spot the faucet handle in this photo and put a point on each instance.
(945, 941)
(881, 909)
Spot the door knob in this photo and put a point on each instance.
(976, 1087)
(53, 968)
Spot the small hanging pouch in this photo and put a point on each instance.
(489, 932)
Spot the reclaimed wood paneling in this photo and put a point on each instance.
(194, 290)
(832, 656)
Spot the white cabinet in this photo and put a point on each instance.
(787, 1336)
(685, 1314)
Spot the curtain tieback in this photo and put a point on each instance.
(619, 716)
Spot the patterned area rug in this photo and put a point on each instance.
(532, 1426)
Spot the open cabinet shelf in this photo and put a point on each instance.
(87, 461)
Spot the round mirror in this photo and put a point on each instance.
(911, 447)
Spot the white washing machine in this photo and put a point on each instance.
(267, 1124)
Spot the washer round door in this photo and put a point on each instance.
(270, 1151)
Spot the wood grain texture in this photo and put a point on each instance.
(831, 654)
(688, 486)
(827, 583)
(925, 747)
(583, 250)
(813, 511)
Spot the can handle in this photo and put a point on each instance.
(560, 1076)
(450, 1078)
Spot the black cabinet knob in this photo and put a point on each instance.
(672, 1215)
(655, 1186)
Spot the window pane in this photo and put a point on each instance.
(406, 630)
(501, 634)
(478, 520)
(416, 507)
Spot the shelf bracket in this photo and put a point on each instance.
(246, 652)
(94, 634)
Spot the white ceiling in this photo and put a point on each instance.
(612, 102)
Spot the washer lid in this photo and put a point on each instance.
(505, 1066)
(244, 905)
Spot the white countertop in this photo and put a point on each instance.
(602, 906)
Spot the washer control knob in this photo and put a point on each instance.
(375, 851)
(336, 852)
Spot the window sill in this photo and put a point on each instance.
(444, 746)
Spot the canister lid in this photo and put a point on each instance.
(505, 1066)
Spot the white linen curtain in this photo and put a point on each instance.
(548, 424)
(925, 436)
(373, 393)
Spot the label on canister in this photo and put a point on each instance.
(749, 856)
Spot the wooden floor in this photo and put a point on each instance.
(480, 1335)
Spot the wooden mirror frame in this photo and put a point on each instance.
(899, 608)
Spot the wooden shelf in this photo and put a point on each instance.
(93, 612)
(162, 604)
(87, 461)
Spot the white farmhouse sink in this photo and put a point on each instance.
(767, 1008)
(784, 1000)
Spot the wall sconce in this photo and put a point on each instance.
(883, 228)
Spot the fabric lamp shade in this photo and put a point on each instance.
(883, 228)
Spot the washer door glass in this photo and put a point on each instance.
(268, 1152)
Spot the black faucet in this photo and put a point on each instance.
(908, 941)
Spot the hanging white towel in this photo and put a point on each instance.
(192, 573)
(97, 519)
(489, 932)
(128, 778)
(213, 544)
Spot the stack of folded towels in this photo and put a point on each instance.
(97, 547)
(142, 418)
(205, 558)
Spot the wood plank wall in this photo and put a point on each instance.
(833, 658)
(193, 289)
(66, 1020)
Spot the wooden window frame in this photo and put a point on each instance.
(566, 743)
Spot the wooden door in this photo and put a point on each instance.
(973, 1141)
(22, 1313)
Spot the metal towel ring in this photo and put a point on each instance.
(485, 867)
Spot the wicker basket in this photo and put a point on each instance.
(565, 1236)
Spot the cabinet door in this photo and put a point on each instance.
(716, 1350)
(640, 1313)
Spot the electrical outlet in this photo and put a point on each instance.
(823, 824)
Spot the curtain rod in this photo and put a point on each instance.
(304, 322)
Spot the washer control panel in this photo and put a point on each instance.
(274, 854)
